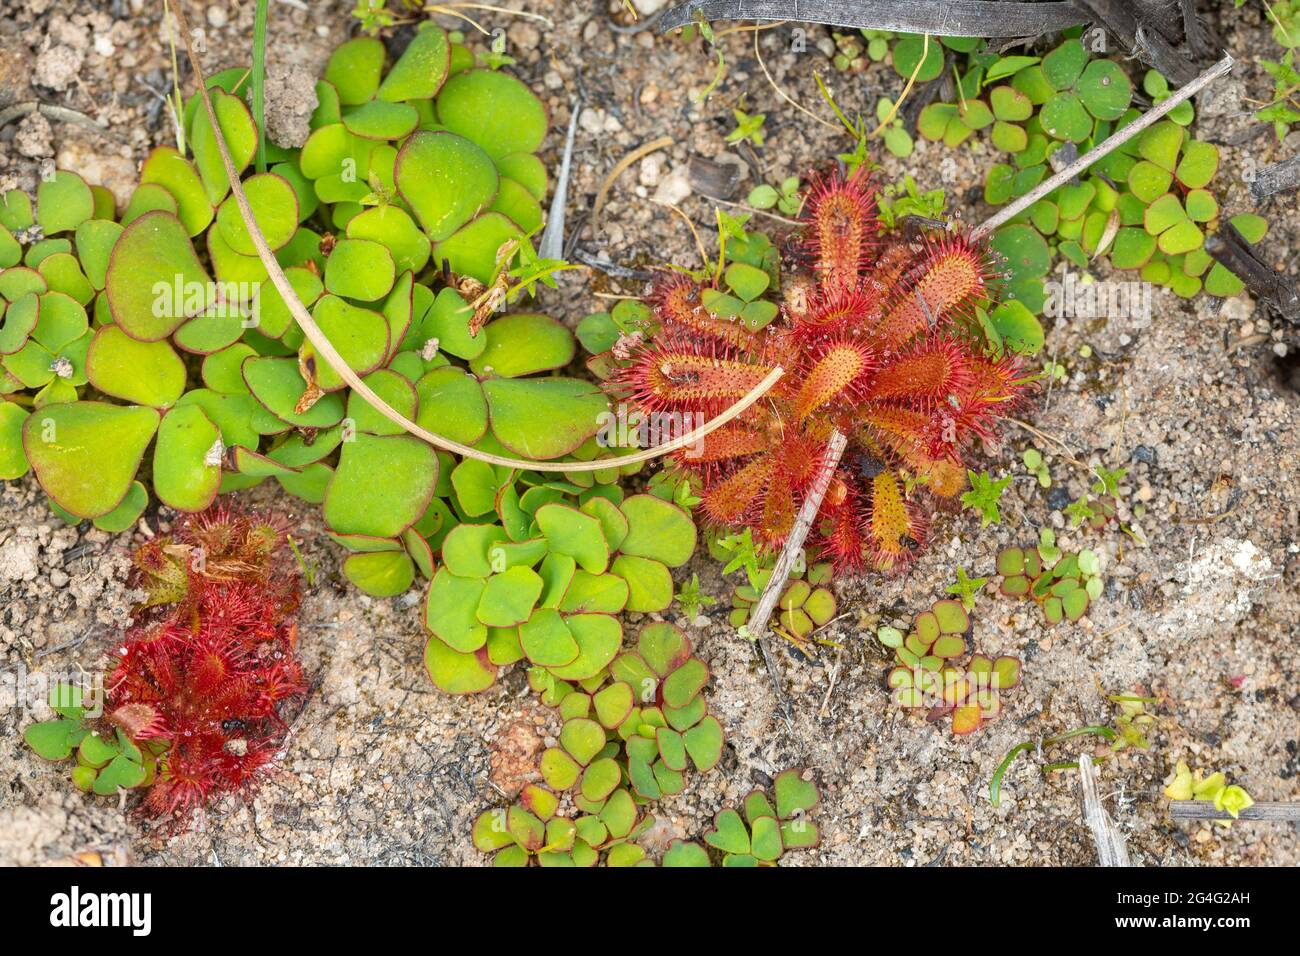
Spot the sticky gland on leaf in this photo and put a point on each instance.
(880, 343)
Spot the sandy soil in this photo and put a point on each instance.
(382, 769)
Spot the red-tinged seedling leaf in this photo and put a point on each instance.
(599, 637)
(1075, 604)
(684, 718)
(757, 805)
(449, 612)
(559, 770)
(490, 832)
(528, 831)
(509, 597)
(672, 750)
(729, 833)
(765, 838)
(990, 704)
(926, 627)
(613, 704)
(704, 743)
(682, 853)
(1015, 586)
(591, 830)
(619, 814)
(663, 647)
(899, 677)
(600, 779)
(583, 739)
(916, 645)
(1006, 672)
(800, 834)
(455, 672)
(948, 646)
(64, 437)
(510, 857)
(952, 617)
(966, 719)
(539, 801)
(670, 781)
(569, 531)
(51, 739)
(795, 793)
(956, 690)
(658, 530)
(680, 687)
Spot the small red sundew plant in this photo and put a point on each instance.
(879, 339)
(209, 658)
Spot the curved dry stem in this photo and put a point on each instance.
(326, 349)
(893, 110)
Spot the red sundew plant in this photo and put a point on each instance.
(879, 339)
(209, 658)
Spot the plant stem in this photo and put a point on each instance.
(259, 79)
(757, 626)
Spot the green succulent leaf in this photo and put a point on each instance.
(60, 439)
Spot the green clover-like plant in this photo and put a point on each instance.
(105, 759)
(804, 606)
(1063, 585)
(157, 338)
(928, 673)
(530, 832)
(541, 572)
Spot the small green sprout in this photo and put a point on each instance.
(899, 200)
(1128, 733)
(1063, 585)
(785, 196)
(691, 600)
(1183, 784)
(984, 496)
(1034, 464)
(106, 759)
(748, 128)
(896, 138)
(966, 588)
